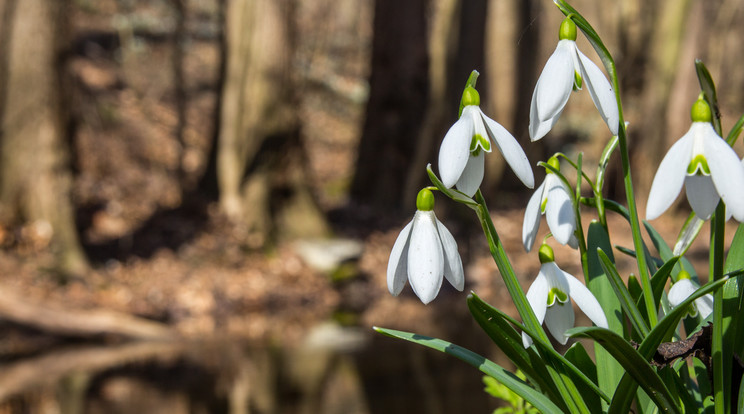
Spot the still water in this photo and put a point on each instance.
(337, 370)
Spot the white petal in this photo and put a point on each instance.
(586, 301)
(531, 222)
(556, 81)
(559, 211)
(472, 176)
(558, 319)
(680, 291)
(455, 151)
(726, 172)
(453, 271)
(511, 150)
(398, 262)
(702, 195)
(538, 128)
(479, 127)
(425, 257)
(601, 91)
(537, 296)
(669, 177)
(704, 305)
(556, 277)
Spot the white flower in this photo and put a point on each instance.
(552, 198)
(549, 297)
(682, 290)
(424, 252)
(706, 165)
(461, 157)
(567, 67)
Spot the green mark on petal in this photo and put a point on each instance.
(479, 141)
(567, 30)
(543, 204)
(558, 294)
(546, 254)
(425, 200)
(698, 166)
(577, 81)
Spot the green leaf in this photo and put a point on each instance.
(577, 356)
(688, 234)
(453, 194)
(740, 400)
(635, 364)
(488, 367)
(626, 300)
(599, 285)
(666, 253)
(661, 332)
(709, 90)
(735, 131)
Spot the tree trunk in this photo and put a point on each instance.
(261, 172)
(399, 88)
(35, 178)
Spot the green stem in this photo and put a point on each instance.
(718, 228)
(604, 160)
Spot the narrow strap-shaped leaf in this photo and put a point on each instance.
(486, 314)
(688, 234)
(578, 356)
(662, 331)
(709, 91)
(634, 363)
(488, 367)
(735, 131)
(740, 400)
(626, 300)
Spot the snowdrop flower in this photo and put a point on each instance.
(706, 165)
(549, 297)
(424, 252)
(565, 70)
(461, 156)
(552, 198)
(683, 289)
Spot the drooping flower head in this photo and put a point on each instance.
(549, 298)
(424, 253)
(568, 69)
(683, 289)
(553, 199)
(461, 156)
(706, 165)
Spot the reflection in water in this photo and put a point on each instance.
(335, 370)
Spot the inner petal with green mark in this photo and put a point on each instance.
(578, 82)
(698, 166)
(479, 141)
(556, 294)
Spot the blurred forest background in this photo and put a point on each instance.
(240, 169)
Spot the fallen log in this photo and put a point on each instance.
(60, 320)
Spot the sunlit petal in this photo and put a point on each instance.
(472, 176)
(538, 128)
(702, 195)
(556, 81)
(726, 172)
(586, 301)
(425, 257)
(455, 151)
(531, 222)
(704, 305)
(511, 150)
(558, 319)
(670, 177)
(680, 291)
(555, 276)
(453, 271)
(537, 296)
(601, 91)
(398, 262)
(559, 211)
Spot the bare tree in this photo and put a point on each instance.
(261, 173)
(35, 178)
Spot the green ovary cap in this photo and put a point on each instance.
(700, 111)
(425, 200)
(556, 294)
(683, 275)
(546, 254)
(553, 162)
(470, 97)
(567, 30)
